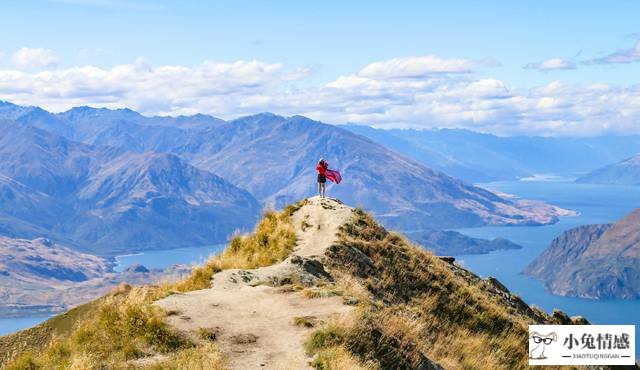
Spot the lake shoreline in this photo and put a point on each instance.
(595, 204)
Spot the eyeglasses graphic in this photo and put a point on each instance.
(545, 340)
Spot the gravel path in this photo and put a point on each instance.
(254, 323)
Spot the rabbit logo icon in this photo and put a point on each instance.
(537, 344)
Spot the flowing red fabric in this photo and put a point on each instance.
(333, 175)
(321, 169)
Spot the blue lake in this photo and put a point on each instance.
(150, 259)
(168, 257)
(11, 325)
(596, 204)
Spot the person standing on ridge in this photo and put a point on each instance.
(322, 179)
(325, 173)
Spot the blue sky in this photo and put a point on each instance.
(302, 49)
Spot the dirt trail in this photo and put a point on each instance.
(254, 323)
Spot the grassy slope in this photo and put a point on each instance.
(416, 308)
(122, 327)
(412, 308)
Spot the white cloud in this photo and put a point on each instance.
(420, 67)
(33, 58)
(386, 95)
(165, 89)
(626, 56)
(552, 64)
(486, 104)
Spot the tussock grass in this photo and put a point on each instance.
(119, 327)
(305, 321)
(207, 334)
(200, 278)
(338, 358)
(327, 346)
(206, 356)
(271, 242)
(322, 292)
(415, 307)
(124, 326)
(24, 362)
(329, 336)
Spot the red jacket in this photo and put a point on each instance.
(332, 175)
(322, 168)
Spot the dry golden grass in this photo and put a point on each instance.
(413, 307)
(124, 326)
(24, 362)
(338, 358)
(207, 334)
(205, 356)
(121, 326)
(305, 321)
(410, 307)
(327, 346)
(272, 241)
(322, 292)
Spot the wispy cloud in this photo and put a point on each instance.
(624, 56)
(33, 58)
(387, 93)
(420, 67)
(552, 64)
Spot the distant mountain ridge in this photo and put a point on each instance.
(626, 172)
(40, 277)
(106, 200)
(479, 157)
(593, 261)
(38, 260)
(273, 157)
(453, 243)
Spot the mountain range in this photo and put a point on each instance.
(40, 277)
(106, 200)
(593, 261)
(480, 157)
(626, 172)
(118, 180)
